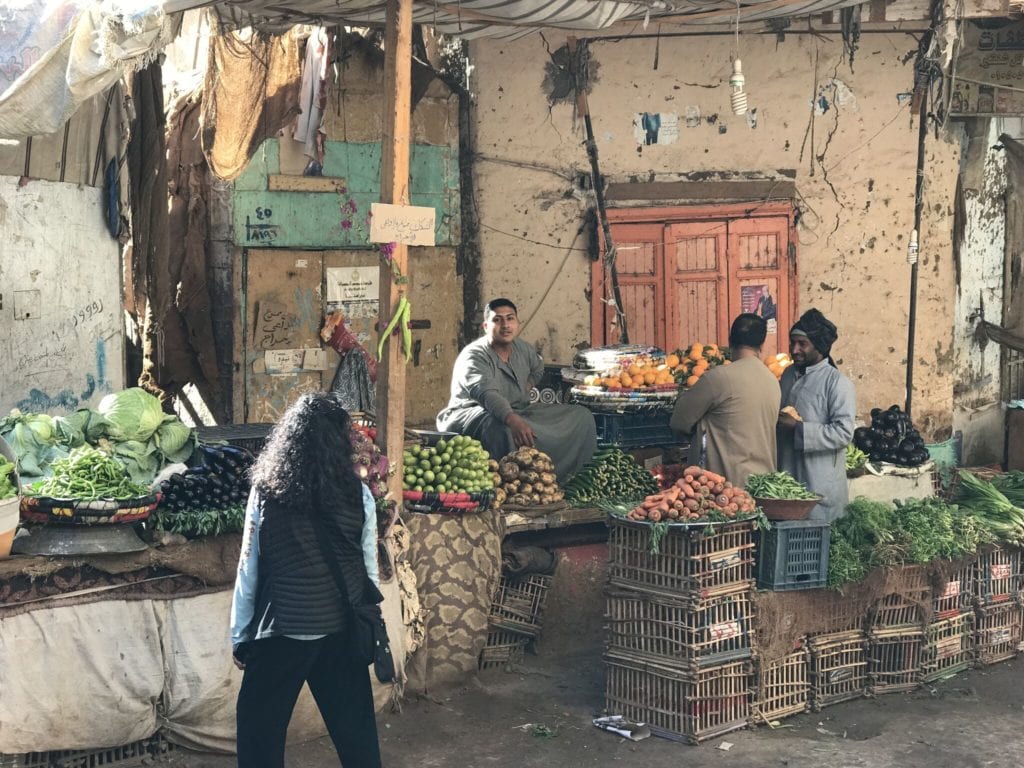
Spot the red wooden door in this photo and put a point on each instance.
(759, 274)
(640, 264)
(697, 301)
(685, 273)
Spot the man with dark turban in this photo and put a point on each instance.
(733, 409)
(818, 410)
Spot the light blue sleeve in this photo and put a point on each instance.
(370, 535)
(243, 604)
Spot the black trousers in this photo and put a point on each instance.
(275, 670)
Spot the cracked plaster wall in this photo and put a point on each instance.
(857, 205)
(978, 408)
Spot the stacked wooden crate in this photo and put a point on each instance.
(680, 628)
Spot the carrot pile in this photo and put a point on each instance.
(696, 495)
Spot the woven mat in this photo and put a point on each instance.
(213, 560)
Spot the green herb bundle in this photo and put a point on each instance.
(1001, 517)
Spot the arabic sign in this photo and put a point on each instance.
(409, 224)
(990, 71)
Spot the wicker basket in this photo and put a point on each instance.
(949, 647)
(839, 668)
(787, 509)
(692, 562)
(41, 509)
(503, 649)
(518, 604)
(999, 633)
(678, 705)
(783, 686)
(955, 595)
(895, 660)
(998, 577)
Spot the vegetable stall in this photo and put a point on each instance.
(128, 532)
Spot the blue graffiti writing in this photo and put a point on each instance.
(40, 402)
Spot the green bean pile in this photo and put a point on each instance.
(88, 474)
(777, 485)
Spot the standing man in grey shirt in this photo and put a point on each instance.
(732, 409)
(490, 398)
(816, 422)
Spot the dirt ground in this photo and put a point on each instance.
(539, 715)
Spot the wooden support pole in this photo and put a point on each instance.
(394, 189)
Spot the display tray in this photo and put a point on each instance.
(43, 509)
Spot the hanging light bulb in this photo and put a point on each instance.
(737, 81)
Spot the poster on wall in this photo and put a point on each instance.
(650, 128)
(354, 291)
(989, 70)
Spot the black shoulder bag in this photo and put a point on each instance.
(369, 630)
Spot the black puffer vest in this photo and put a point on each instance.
(296, 592)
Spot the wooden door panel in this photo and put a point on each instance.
(696, 263)
(698, 309)
(639, 257)
(760, 276)
(283, 311)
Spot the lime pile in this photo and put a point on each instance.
(459, 465)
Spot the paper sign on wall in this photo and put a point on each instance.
(409, 224)
(294, 360)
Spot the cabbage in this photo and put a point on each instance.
(142, 460)
(83, 425)
(33, 438)
(133, 414)
(174, 439)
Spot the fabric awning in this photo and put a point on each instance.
(506, 19)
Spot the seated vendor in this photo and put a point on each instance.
(490, 398)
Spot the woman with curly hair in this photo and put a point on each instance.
(290, 622)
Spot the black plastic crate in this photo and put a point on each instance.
(634, 429)
(793, 554)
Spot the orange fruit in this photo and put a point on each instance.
(692, 380)
(672, 361)
(650, 377)
(700, 367)
(635, 370)
(626, 380)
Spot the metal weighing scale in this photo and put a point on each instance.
(110, 539)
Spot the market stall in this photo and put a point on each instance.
(122, 575)
(720, 625)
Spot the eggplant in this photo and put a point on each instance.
(860, 433)
(197, 472)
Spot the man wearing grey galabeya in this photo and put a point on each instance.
(818, 410)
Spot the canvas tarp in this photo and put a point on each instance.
(58, 54)
(81, 673)
(113, 672)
